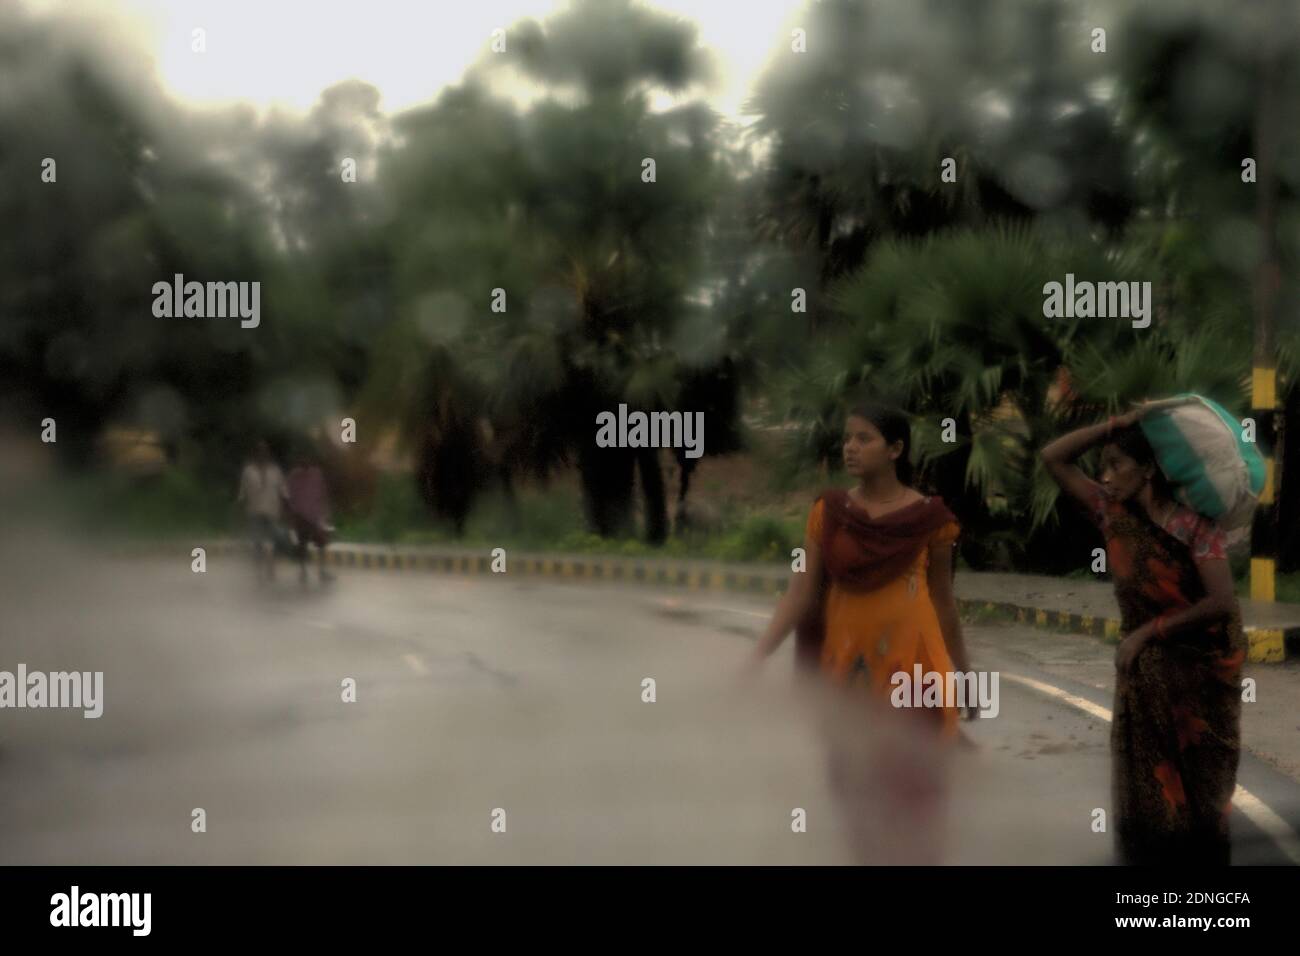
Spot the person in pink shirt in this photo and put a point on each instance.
(308, 510)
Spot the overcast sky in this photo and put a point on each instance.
(285, 52)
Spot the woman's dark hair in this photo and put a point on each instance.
(893, 424)
(1133, 442)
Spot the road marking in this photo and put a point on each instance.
(738, 611)
(1087, 706)
(1254, 809)
(415, 663)
(676, 603)
(1264, 817)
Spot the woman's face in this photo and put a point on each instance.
(1121, 475)
(865, 450)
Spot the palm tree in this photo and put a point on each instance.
(597, 264)
(859, 126)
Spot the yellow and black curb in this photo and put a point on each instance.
(1267, 645)
(692, 575)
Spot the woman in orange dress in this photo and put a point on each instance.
(874, 602)
(876, 598)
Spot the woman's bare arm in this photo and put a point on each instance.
(1219, 601)
(1058, 458)
(794, 604)
(942, 596)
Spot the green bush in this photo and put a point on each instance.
(759, 538)
(397, 509)
(174, 502)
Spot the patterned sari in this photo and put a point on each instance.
(1176, 736)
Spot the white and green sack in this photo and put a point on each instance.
(1213, 469)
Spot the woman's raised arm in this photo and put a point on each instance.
(1058, 456)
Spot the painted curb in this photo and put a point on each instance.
(1266, 645)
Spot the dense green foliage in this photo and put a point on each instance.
(380, 296)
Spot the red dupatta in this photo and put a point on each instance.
(861, 553)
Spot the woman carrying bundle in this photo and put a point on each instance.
(1176, 735)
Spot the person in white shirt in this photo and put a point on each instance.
(262, 491)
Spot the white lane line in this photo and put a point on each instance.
(415, 664)
(1087, 706)
(738, 611)
(1254, 809)
(1264, 817)
(679, 603)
